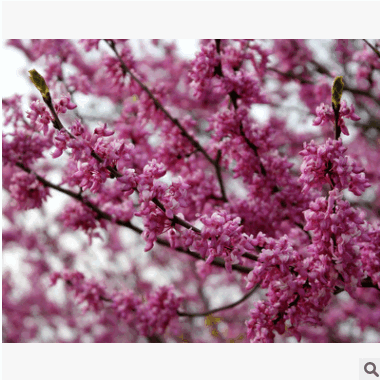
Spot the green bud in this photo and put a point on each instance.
(39, 82)
(337, 91)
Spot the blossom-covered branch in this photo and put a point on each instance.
(175, 121)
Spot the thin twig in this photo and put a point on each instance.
(290, 75)
(56, 121)
(372, 47)
(213, 311)
(323, 70)
(175, 218)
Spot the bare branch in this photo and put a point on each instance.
(372, 47)
(213, 311)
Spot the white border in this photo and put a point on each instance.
(189, 361)
(185, 19)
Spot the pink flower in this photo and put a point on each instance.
(78, 216)
(90, 44)
(85, 291)
(27, 191)
(125, 305)
(203, 68)
(328, 164)
(63, 104)
(155, 315)
(39, 116)
(325, 116)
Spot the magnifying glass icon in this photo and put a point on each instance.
(371, 371)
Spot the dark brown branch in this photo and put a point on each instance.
(56, 121)
(154, 339)
(175, 218)
(372, 47)
(290, 75)
(219, 262)
(213, 311)
(254, 149)
(157, 103)
(302, 228)
(336, 115)
(78, 196)
(219, 176)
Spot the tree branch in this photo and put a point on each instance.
(213, 311)
(372, 47)
(219, 262)
(175, 121)
(323, 70)
(114, 172)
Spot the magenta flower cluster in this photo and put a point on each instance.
(151, 317)
(27, 192)
(327, 164)
(325, 116)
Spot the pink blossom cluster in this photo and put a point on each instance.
(158, 311)
(345, 50)
(150, 317)
(315, 94)
(325, 116)
(223, 72)
(368, 61)
(327, 163)
(12, 111)
(283, 271)
(338, 233)
(220, 237)
(39, 116)
(292, 55)
(64, 104)
(80, 217)
(89, 292)
(370, 254)
(27, 192)
(94, 154)
(53, 70)
(203, 69)
(90, 44)
(155, 220)
(24, 146)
